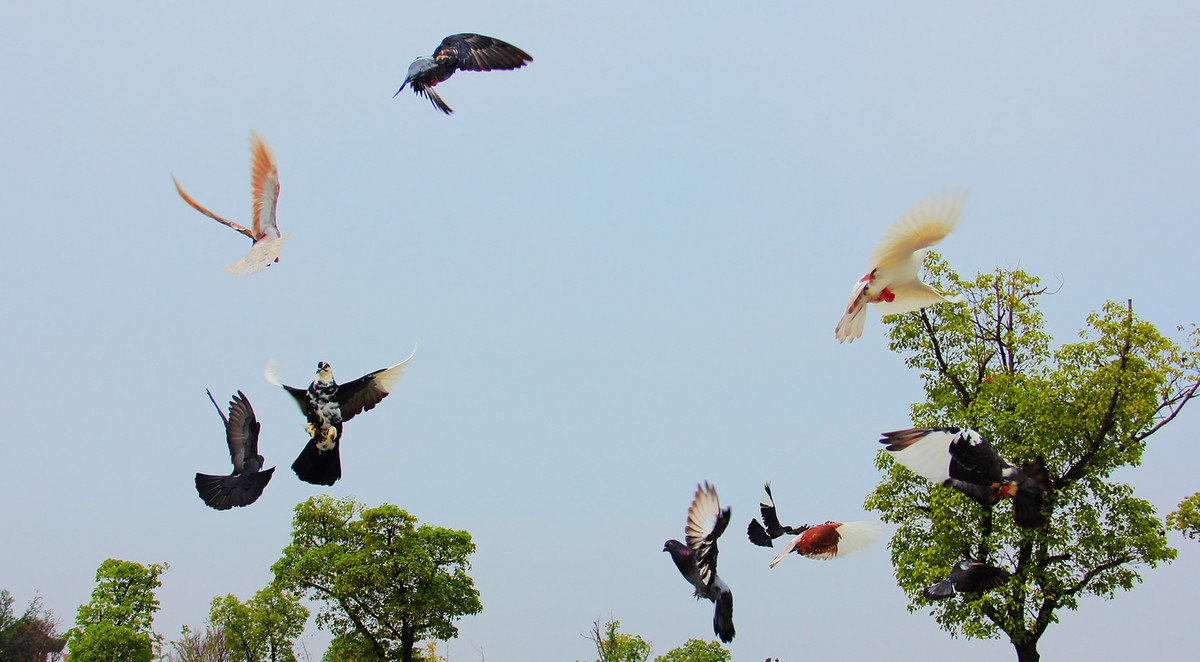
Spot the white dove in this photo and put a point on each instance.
(892, 283)
(264, 189)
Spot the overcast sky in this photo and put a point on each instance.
(623, 264)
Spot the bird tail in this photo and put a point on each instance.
(261, 255)
(402, 86)
(758, 534)
(316, 466)
(436, 100)
(225, 492)
(723, 617)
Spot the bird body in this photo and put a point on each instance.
(326, 406)
(696, 558)
(892, 281)
(831, 540)
(967, 577)
(964, 460)
(460, 52)
(246, 483)
(264, 189)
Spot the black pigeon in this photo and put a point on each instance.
(764, 536)
(327, 405)
(246, 483)
(964, 460)
(967, 577)
(697, 560)
(465, 52)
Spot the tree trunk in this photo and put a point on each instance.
(407, 641)
(1027, 651)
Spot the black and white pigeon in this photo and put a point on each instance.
(964, 460)
(697, 559)
(327, 405)
(460, 52)
(967, 576)
(764, 536)
(246, 483)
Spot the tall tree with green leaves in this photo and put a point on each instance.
(380, 575)
(697, 650)
(117, 624)
(263, 628)
(1186, 520)
(1089, 407)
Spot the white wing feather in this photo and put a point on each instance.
(923, 225)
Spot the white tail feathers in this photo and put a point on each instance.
(261, 255)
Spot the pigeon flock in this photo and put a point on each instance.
(960, 459)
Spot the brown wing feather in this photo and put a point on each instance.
(264, 186)
(196, 205)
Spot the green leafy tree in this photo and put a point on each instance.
(30, 636)
(116, 626)
(1088, 407)
(1187, 518)
(697, 650)
(612, 645)
(263, 628)
(381, 576)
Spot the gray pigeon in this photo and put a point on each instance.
(697, 560)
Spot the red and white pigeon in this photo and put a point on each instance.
(892, 283)
(967, 577)
(963, 459)
(264, 191)
(697, 560)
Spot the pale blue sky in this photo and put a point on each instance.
(623, 264)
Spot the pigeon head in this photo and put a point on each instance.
(324, 372)
(676, 548)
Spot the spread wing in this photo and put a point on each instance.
(475, 52)
(367, 391)
(912, 296)
(264, 187)
(196, 205)
(241, 433)
(271, 372)
(706, 522)
(923, 225)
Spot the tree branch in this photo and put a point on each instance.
(943, 368)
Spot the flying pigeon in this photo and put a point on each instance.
(892, 283)
(264, 189)
(466, 52)
(246, 483)
(697, 560)
(964, 460)
(327, 405)
(831, 540)
(967, 577)
(763, 536)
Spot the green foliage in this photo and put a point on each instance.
(117, 623)
(697, 650)
(612, 645)
(351, 647)
(1087, 407)
(263, 628)
(380, 575)
(1187, 518)
(106, 642)
(30, 636)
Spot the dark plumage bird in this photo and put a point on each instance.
(763, 536)
(246, 483)
(465, 52)
(964, 460)
(967, 577)
(327, 405)
(697, 559)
